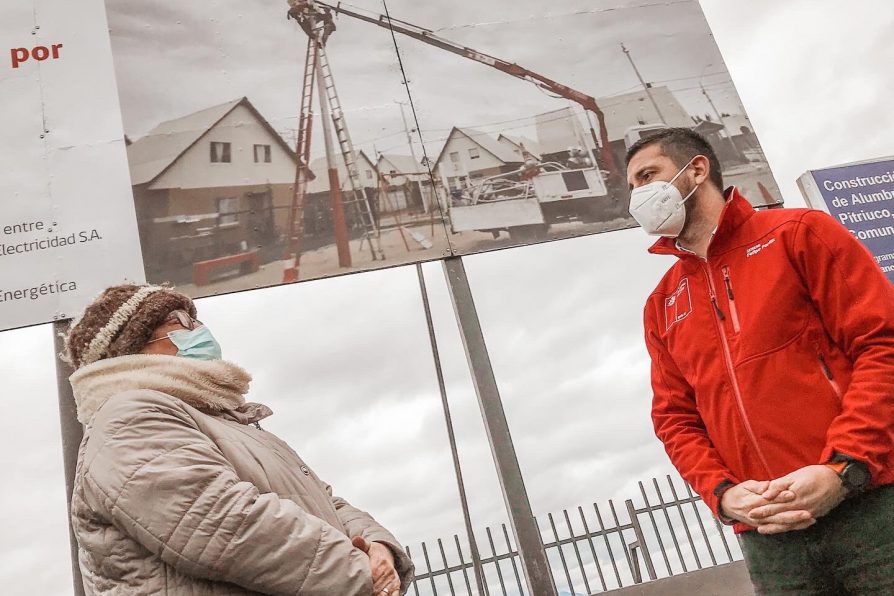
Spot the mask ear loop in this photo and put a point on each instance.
(683, 169)
(692, 192)
(686, 198)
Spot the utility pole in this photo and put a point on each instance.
(646, 86)
(408, 132)
(425, 206)
(729, 137)
(339, 224)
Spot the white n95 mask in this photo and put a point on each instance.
(659, 206)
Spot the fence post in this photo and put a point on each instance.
(640, 541)
(634, 556)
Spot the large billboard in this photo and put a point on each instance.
(236, 145)
(861, 197)
(67, 225)
(400, 133)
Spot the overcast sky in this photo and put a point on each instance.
(344, 363)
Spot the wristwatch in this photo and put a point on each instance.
(855, 476)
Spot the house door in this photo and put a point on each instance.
(261, 228)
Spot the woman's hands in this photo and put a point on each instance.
(381, 562)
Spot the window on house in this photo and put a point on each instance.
(454, 157)
(262, 153)
(228, 210)
(474, 153)
(220, 152)
(369, 174)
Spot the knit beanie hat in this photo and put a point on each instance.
(121, 321)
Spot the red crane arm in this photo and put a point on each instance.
(510, 68)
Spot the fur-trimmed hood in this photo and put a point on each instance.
(213, 386)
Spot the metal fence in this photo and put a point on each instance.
(669, 532)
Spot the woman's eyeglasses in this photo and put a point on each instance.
(182, 318)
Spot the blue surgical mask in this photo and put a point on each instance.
(198, 344)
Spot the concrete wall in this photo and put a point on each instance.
(723, 580)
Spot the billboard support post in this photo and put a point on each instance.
(72, 433)
(524, 527)
(451, 436)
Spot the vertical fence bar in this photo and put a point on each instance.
(670, 525)
(701, 525)
(608, 545)
(552, 524)
(431, 572)
(722, 531)
(679, 507)
(683, 518)
(415, 586)
(463, 565)
(641, 539)
(642, 490)
(583, 519)
(513, 554)
(611, 505)
(493, 552)
(446, 567)
(580, 561)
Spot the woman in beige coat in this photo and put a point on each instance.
(179, 490)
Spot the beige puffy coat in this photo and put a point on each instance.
(178, 493)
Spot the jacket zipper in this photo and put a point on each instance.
(732, 373)
(734, 313)
(827, 372)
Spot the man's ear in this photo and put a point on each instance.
(701, 167)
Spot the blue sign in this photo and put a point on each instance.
(861, 197)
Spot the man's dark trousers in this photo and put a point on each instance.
(848, 552)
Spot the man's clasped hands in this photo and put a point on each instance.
(792, 502)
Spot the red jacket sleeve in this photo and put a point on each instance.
(856, 303)
(679, 426)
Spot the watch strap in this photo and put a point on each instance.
(837, 467)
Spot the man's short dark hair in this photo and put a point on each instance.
(681, 145)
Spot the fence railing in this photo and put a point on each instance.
(669, 532)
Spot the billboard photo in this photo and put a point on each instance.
(278, 142)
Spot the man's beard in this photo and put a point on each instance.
(690, 211)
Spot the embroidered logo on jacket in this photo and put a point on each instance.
(678, 305)
(753, 250)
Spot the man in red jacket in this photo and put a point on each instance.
(772, 346)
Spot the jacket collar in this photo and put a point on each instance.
(735, 213)
(216, 387)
